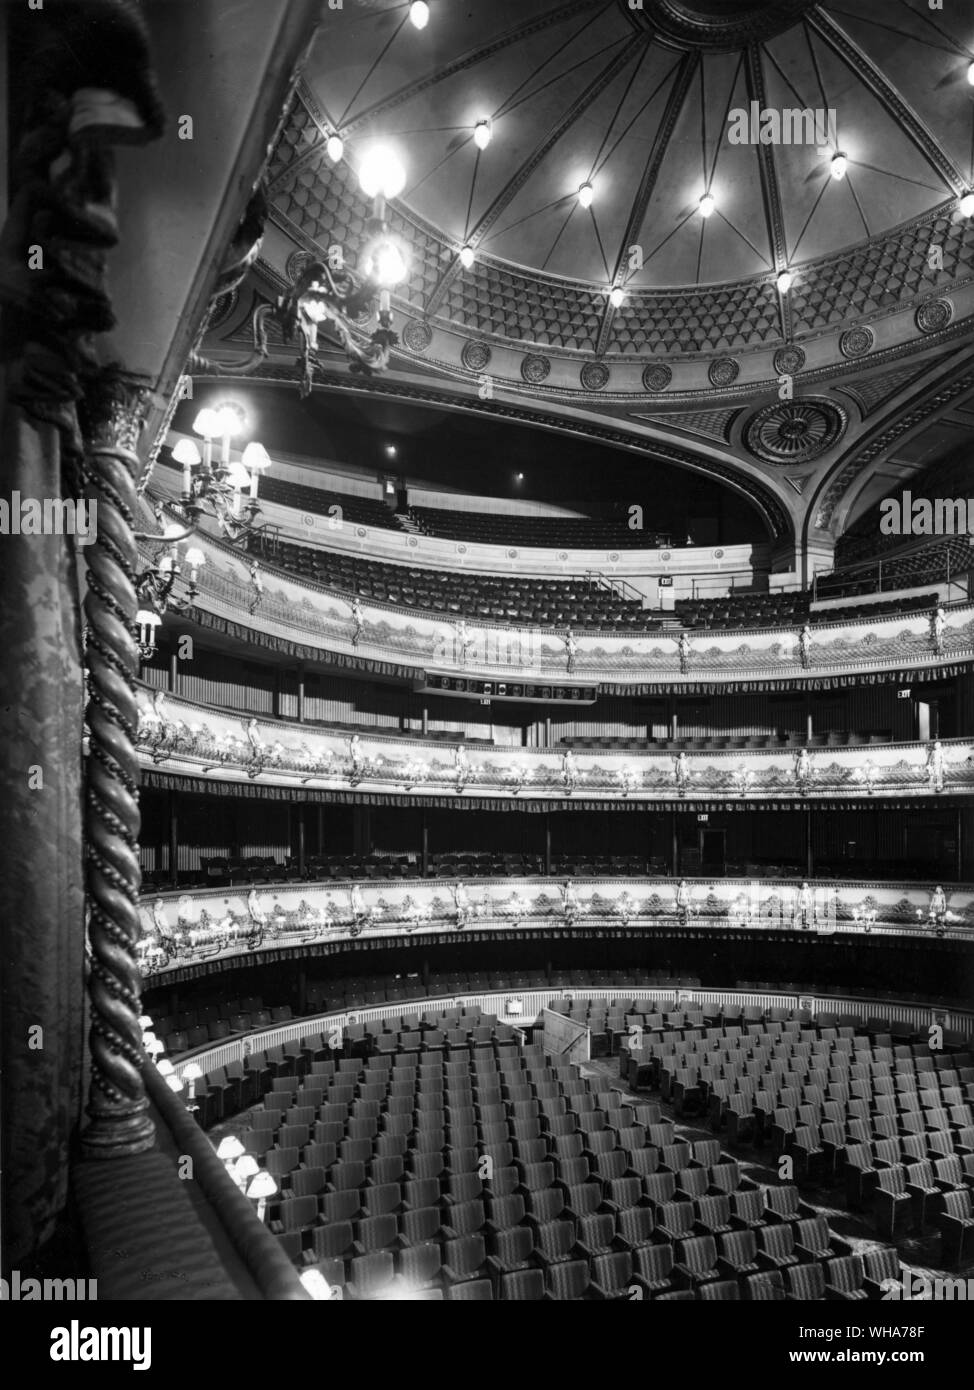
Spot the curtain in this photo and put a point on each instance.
(85, 84)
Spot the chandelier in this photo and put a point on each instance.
(217, 486)
(328, 296)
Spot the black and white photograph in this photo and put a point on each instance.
(487, 648)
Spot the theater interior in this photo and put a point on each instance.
(488, 794)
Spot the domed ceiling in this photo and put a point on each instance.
(655, 107)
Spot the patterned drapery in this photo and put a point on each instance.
(89, 87)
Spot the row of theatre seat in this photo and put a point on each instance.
(497, 528)
(485, 1172)
(741, 610)
(830, 738)
(488, 598)
(894, 1123)
(951, 557)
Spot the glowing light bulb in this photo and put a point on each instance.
(585, 195)
(335, 148)
(839, 165)
(387, 263)
(785, 280)
(970, 75)
(707, 204)
(382, 174)
(419, 14)
(966, 205)
(617, 297)
(481, 134)
(466, 257)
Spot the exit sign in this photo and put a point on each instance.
(703, 818)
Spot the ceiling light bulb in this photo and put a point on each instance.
(466, 257)
(419, 14)
(387, 263)
(617, 297)
(482, 134)
(839, 165)
(970, 74)
(335, 148)
(585, 195)
(707, 204)
(966, 205)
(231, 418)
(785, 281)
(382, 174)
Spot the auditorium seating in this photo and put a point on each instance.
(891, 1123)
(482, 1195)
(744, 610)
(497, 528)
(578, 603)
(949, 557)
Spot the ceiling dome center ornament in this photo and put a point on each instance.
(788, 432)
(594, 376)
(534, 368)
(723, 371)
(715, 24)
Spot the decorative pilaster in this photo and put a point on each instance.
(120, 1123)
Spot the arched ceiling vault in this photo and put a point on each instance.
(704, 355)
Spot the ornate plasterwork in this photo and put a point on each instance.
(796, 431)
(318, 203)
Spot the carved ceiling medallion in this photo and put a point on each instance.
(789, 432)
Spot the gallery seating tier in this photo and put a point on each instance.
(545, 532)
(580, 602)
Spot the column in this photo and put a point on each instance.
(809, 857)
(301, 837)
(809, 718)
(547, 844)
(424, 845)
(674, 846)
(300, 694)
(173, 672)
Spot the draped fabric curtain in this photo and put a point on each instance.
(85, 85)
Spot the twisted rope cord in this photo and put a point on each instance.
(117, 1104)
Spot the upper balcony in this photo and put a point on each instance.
(303, 618)
(194, 740)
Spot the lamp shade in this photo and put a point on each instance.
(246, 1166)
(195, 557)
(185, 451)
(229, 1148)
(165, 1067)
(193, 1072)
(207, 423)
(237, 476)
(174, 1082)
(255, 456)
(263, 1185)
(315, 1283)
